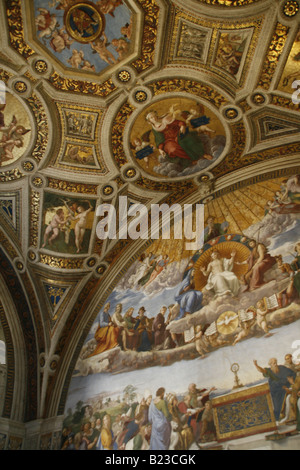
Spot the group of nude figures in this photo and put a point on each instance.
(60, 222)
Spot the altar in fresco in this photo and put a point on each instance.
(244, 413)
(185, 319)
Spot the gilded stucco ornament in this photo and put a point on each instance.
(291, 8)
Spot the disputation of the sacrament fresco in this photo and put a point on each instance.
(193, 349)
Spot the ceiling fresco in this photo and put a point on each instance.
(83, 36)
(161, 102)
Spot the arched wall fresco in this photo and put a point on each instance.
(206, 322)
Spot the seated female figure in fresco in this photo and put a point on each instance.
(173, 139)
(107, 333)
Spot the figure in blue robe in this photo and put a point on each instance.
(161, 427)
(278, 379)
(188, 298)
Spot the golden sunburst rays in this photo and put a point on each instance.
(225, 249)
(227, 322)
(175, 249)
(241, 208)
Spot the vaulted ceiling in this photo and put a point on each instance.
(81, 88)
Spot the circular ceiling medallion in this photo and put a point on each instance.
(140, 96)
(41, 66)
(130, 173)
(124, 76)
(231, 113)
(84, 22)
(291, 8)
(258, 99)
(108, 190)
(20, 86)
(176, 137)
(15, 130)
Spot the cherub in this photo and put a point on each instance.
(141, 143)
(197, 119)
(108, 6)
(261, 321)
(126, 30)
(88, 66)
(100, 47)
(76, 58)
(215, 340)
(121, 46)
(45, 22)
(12, 137)
(60, 40)
(201, 341)
(246, 325)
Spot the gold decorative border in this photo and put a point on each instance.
(117, 133)
(35, 201)
(229, 3)
(192, 87)
(4, 75)
(15, 27)
(274, 52)
(80, 86)
(61, 263)
(10, 175)
(7, 245)
(284, 102)
(42, 127)
(146, 59)
(72, 187)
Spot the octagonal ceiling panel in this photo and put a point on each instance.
(85, 36)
